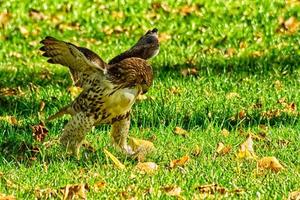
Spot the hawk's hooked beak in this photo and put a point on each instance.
(145, 89)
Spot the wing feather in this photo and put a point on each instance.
(81, 61)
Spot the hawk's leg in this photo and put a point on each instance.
(119, 134)
(75, 130)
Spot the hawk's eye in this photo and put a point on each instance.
(149, 40)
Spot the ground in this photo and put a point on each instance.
(223, 66)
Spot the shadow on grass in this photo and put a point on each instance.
(236, 66)
(17, 148)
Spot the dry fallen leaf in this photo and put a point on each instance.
(246, 150)
(77, 191)
(230, 52)
(196, 151)
(10, 119)
(271, 114)
(47, 193)
(180, 131)
(211, 189)
(289, 26)
(7, 197)
(161, 5)
(4, 18)
(189, 72)
(188, 9)
(222, 149)
(42, 105)
(117, 163)
(39, 132)
(36, 14)
(270, 163)
(11, 91)
(147, 167)
(98, 186)
(172, 190)
(163, 37)
(295, 195)
(180, 162)
(24, 31)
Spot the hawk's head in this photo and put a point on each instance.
(149, 40)
(131, 72)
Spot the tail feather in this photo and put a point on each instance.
(61, 112)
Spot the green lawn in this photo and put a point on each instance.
(246, 54)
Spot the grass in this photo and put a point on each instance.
(263, 68)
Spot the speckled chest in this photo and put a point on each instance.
(107, 105)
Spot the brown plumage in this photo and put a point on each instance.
(109, 91)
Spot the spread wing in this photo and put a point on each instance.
(146, 47)
(82, 62)
(145, 51)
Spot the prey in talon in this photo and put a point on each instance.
(108, 90)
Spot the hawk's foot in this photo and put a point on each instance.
(141, 148)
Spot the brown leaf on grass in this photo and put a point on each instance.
(24, 31)
(175, 90)
(257, 54)
(243, 45)
(4, 18)
(239, 116)
(196, 151)
(295, 195)
(246, 149)
(189, 72)
(271, 114)
(188, 9)
(222, 149)
(229, 52)
(12, 120)
(117, 163)
(180, 131)
(11, 91)
(147, 167)
(6, 197)
(36, 14)
(211, 189)
(98, 186)
(77, 191)
(225, 132)
(42, 105)
(163, 37)
(290, 108)
(172, 191)
(160, 5)
(180, 162)
(288, 26)
(39, 132)
(270, 163)
(47, 193)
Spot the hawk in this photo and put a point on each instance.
(109, 90)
